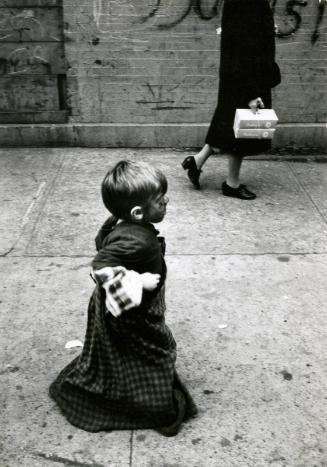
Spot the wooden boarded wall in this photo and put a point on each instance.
(156, 61)
(32, 64)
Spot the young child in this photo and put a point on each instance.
(125, 377)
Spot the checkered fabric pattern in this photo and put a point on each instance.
(123, 288)
(125, 377)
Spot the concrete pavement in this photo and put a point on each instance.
(246, 298)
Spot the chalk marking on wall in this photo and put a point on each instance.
(102, 14)
(22, 23)
(97, 12)
(164, 98)
(24, 59)
(103, 19)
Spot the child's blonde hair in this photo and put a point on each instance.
(131, 184)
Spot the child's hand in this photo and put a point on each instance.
(150, 281)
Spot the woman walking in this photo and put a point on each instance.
(247, 73)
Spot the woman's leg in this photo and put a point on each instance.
(234, 168)
(232, 186)
(201, 157)
(193, 164)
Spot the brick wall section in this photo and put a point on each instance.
(152, 61)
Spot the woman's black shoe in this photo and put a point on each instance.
(241, 192)
(193, 172)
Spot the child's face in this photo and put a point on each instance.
(156, 209)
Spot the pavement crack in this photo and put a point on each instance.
(131, 449)
(3, 255)
(173, 255)
(36, 198)
(80, 266)
(47, 194)
(65, 461)
(35, 210)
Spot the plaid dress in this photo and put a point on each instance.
(125, 377)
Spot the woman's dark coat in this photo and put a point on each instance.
(247, 70)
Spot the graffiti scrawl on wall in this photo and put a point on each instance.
(23, 27)
(202, 11)
(20, 26)
(320, 15)
(24, 60)
(165, 14)
(292, 20)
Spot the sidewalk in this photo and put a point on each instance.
(246, 299)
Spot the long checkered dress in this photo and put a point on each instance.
(125, 377)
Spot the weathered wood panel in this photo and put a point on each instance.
(32, 62)
(33, 58)
(53, 116)
(31, 24)
(30, 3)
(27, 93)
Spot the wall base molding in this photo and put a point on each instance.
(291, 135)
